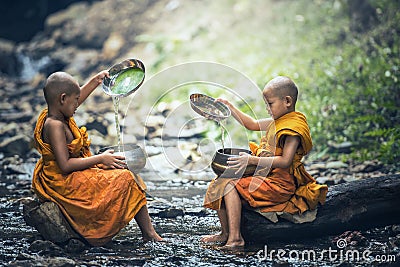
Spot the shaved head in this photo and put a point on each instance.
(283, 86)
(59, 83)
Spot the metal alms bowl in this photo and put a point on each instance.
(220, 163)
(134, 155)
(125, 78)
(207, 107)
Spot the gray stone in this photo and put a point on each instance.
(336, 165)
(314, 172)
(17, 145)
(351, 178)
(396, 228)
(75, 246)
(15, 169)
(100, 126)
(44, 245)
(49, 222)
(171, 213)
(198, 211)
(317, 166)
(15, 116)
(323, 180)
(367, 166)
(61, 261)
(344, 147)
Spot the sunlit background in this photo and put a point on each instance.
(343, 55)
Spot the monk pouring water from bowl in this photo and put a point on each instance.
(96, 193)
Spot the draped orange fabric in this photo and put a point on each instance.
(290, 190)
(97, 203)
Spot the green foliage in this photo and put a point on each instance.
(359, 91)
(349, 80)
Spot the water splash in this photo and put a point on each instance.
(117, 126)
(222, 135)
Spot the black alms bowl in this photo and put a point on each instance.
(220, 166)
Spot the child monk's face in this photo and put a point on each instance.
(70, 102)
(276, 105)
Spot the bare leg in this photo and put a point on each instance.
(146, 227)
(223, 236)
(233, 206)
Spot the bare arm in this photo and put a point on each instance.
(283, 161)
(91, 85)
(56, 133)
(245, 120)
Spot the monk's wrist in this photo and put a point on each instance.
(252, 160)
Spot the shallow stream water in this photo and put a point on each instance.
(181, 233)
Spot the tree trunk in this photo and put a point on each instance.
(358, 205)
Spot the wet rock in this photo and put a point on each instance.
(153, 150)
(350, 178)
(154, 126)
(167, 162)
(165, 108)
(201, 212)
(367, 166)
(171, 213)
(154, 121)
(56, 261)
(49, 222)
(314, 172)
(5, 107)
(336, 165)
(14, 169)
(397, 240)
(192, 130)
(24, 256)
(396, 228)
(45, 246)
(352, 238)
(97, 124)
(16, 116)
(15, 159)
(317, 166)
(17, 145)
(75, 246)
(344, 147)
(201, 184)
(325, 180)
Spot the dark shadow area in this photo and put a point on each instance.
(21, 19)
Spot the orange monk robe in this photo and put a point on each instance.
(97, 203)
(290, 190)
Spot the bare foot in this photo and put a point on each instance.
(235, 244)
(214, 238)
(152, 237)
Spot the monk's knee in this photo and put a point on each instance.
(228, 188)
